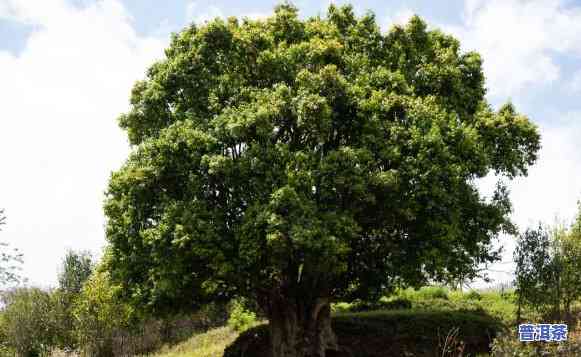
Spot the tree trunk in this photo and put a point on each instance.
(300, 329)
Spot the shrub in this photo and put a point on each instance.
(27, 322)
(240, 317)
(473, 295)
(424, 293)
(397, 303)
(433, 292)
(99, 313)
(147, 334)
(63, 321)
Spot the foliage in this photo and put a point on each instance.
(397, 303)
(63, 327)
(533, 267)
(433, 292)
(9, 261)
(27, 321)
(474, 295)
(240, 317)
(424, 293)
(98, 313)
(145, 335)
(297, 162)
(75, 270)
(568, 247)
(548, 274)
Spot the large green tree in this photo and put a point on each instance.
(296, 162)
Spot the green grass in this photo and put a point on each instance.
(501, 306)
(425, 293)
(208, 344)
(415, 324)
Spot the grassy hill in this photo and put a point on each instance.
(382, 333)
(428, 322)
(208, 344)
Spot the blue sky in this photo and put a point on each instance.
(67, 66)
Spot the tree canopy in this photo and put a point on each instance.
(548, 262)
(76, 267)
(309, 160)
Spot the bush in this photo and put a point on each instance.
(27, 322)
(108, 326)
(63, 321)
(432, 292)
(473, 295)
(424, 293)
(241, 318)
(147, 334)
(397, 303)
(99, 313)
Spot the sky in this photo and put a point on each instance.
(67, 67)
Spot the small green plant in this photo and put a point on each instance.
(240, 317)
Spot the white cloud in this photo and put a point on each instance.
(574, 83)
(552, 188)
(519, 39)
(201, 13)
(401, 17)
(58, 132)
